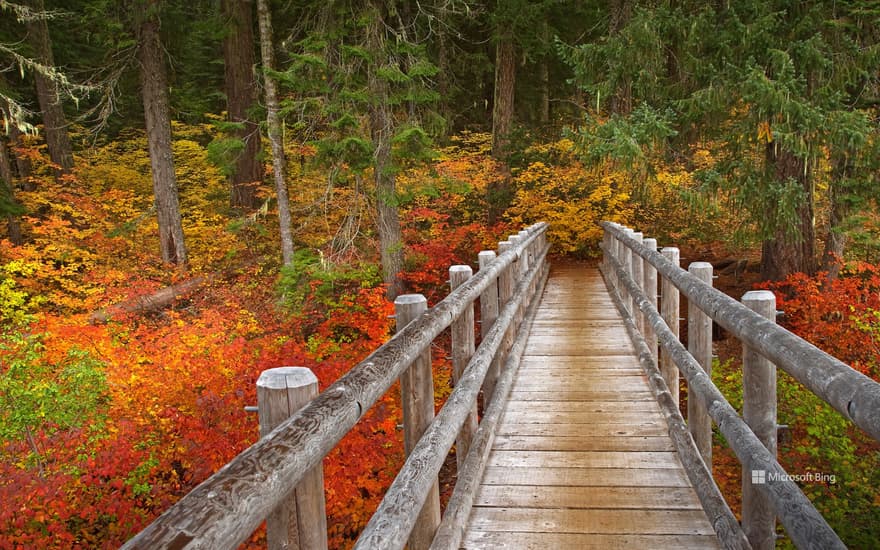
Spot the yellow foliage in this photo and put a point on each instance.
(571, 199)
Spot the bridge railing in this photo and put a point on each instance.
(225, 509)
(631, 266)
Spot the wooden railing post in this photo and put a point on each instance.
(759, 412)
(650, 277)
(505, 291)
(625, 258)
(638, 276)
(488, 313)
(301, 522)
(417, 394)
(700, 347)
(669, 310)
(463, 347)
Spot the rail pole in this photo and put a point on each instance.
(299, 523)
(700, 347)
(417, 394)
(759, 412)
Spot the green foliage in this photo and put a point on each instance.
(312, 284)
(39, 395)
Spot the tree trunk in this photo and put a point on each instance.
(791, 250)
(240, 84)
(544, 78)
(505, 83)
(835, 240)
(275, 136)
(22, 163)
(54, 121)
(387, 216)
(13, 225)
(154, 91)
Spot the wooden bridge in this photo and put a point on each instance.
(580, 443)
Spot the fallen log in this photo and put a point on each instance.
(160, 299)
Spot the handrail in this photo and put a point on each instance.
(856, 396)
(807, 528)
(392, 522)
(226, 508)
(850, 392)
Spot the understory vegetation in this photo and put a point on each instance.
(189, 197)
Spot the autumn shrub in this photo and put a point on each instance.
(841, 317)
(570, 197)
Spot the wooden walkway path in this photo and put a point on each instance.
(582, 458)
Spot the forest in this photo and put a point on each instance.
(194, 192)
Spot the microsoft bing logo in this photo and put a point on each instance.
(762, 477)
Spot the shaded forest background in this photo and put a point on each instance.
(278, 170)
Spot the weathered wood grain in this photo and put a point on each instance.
(611, 522)
(581, 438)
(584, 477)
(803, 523)
(646, 428)
(850, 392)
(463, 346)
(584, 459)
(633, 498)
(395, 518)
(582, 443)
(481, 540)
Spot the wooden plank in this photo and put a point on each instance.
(584, 459)
(610, 522)
(583, 407)
(586, 443)
(635, 498)
(566, 383)
(480, 540)
(583, 363)
(572, 430)
(575, 418)
(580, 394)
(584, 477)
(578, 349)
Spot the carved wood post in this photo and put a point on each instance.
(700, 347)
(669, 310)
(759, 412)
(462, 350)
(638, 277)
(488, 314)
(650, 277)
(300, 522)
(417, 394)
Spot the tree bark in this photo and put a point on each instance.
(381, 130)
(505, 84)
(54, 121)
(22, 163)
(275, 136)
(790, 250)
(241, 86)
(835, 240)
(154, 91)
(13, 225)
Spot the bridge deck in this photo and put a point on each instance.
(582, 458)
